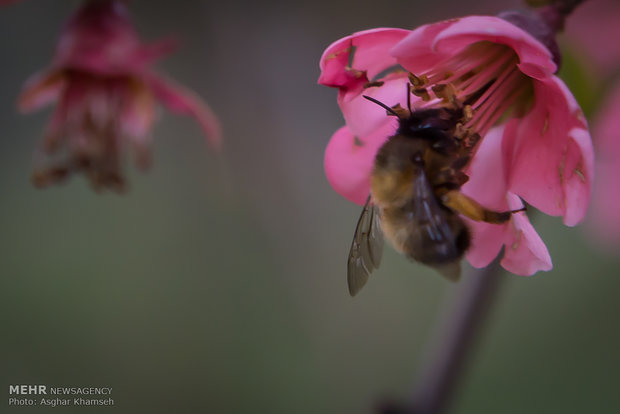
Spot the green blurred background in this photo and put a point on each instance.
(217, 284)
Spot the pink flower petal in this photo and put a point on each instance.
(40, 90)
(578, 176)
(101, 39)
(151, 52)
(486, 242)
(430, 44)
(70, 109)
(183, 101)
(415, 52)
(363, 117)
(525, 252)
(535, 60)
(550, 154)
(349, 161)
(370, 55)
(487, 177)
(487, 185)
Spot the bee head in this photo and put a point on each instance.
(425, 123)
(433, 124)
(399, 153)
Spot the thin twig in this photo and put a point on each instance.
(451, 344)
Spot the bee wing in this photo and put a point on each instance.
(432, 224)
(366, 248)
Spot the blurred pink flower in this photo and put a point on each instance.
(604, 217)
(593, 28)
(105, 94)
(541, 150)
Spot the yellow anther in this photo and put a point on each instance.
(446, 92)
(400, 111)
(468, 113)
(422, 93)
(416, 81)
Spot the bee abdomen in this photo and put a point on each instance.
(423, 240)
(433, 246)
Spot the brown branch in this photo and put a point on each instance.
(452, 342)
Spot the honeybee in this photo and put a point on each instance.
(415, 197)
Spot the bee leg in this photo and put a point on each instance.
(462, 178)
(449, 179)
(459, 202)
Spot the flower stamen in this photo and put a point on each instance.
(483, 81)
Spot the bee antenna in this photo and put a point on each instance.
(382, 105)
(409, 97)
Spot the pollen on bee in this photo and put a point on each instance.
(468, 113)
(400, 111)
(460, 132)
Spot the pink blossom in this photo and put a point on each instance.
(105, 94)
(604, 217)
(541, 153)
(594, 28)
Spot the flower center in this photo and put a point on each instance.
(483, 79)
(97, 118)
